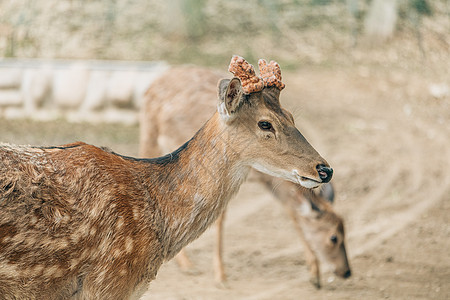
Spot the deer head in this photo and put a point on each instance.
(265, 135)
(323, 229)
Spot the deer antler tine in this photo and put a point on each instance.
(251, 83)
(271, 74)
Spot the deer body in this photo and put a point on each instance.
(69, 227)
(81, 222)
(138, 216)
(159, 134)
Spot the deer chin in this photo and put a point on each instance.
(293, 176)
(306, 182)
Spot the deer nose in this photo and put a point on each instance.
(325, 173)
(348, 274)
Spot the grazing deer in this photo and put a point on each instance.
(81, 222)
(174, 107)
(320, 229)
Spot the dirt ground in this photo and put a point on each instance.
(388, 141)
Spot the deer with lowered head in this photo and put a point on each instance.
(82, 222)
(174, 107)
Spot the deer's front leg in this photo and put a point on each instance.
(313, 264)
(311, 259)
(219, 270)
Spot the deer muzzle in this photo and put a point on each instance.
(325, 173)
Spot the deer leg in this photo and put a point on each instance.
(219, 270)
(311, 258)
(184, 262)
(313, 264)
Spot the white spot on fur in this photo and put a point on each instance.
(8, 270)
(84, 229)
(63, 243)
(117, 253)
(129, 244)
(101, 276)
(135, 214)
(120, 223)
(75, 237)
(74, 263)
(52, 271)
(33, 220)
(17, 238)
(37, 269)
(92, 231)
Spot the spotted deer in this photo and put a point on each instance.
(82, 222)
(174, 106)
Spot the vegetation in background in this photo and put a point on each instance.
(294, 32)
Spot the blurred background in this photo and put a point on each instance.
(368, 82)
(295, 32)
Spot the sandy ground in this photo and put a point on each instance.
(389, 143)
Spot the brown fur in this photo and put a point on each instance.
(81, 222)
(185, 107)
(72, 222)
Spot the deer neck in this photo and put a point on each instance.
(193, 188)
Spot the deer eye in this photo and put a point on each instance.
(264, 125)
(334, 239)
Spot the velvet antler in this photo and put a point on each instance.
(270, 74)
(246, 73)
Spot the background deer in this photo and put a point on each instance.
(82, 222)
(169, 116)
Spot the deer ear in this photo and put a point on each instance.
(307, 208)
(230, 95)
